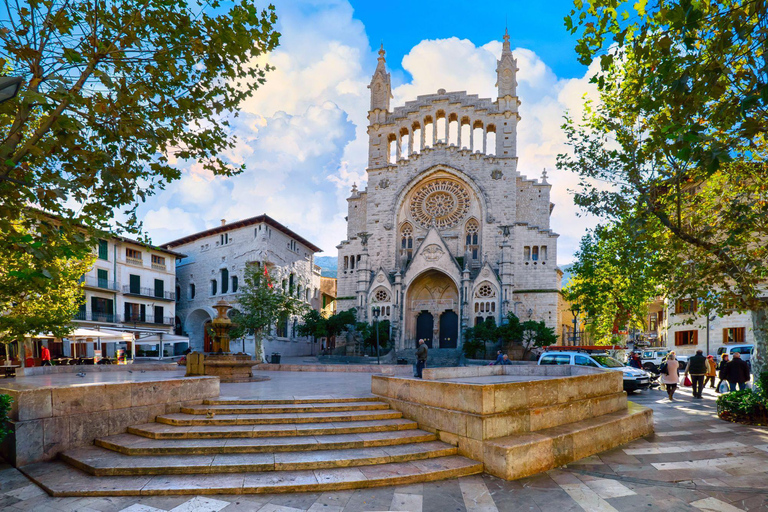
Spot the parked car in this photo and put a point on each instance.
(746, 351)
(653, 357)
(634, 379)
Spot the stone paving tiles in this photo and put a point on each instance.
(669, 471)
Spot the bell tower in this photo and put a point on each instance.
(506, 82)
(381, 93)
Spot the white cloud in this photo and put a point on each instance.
(302, 136)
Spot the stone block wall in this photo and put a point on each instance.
(48, 420)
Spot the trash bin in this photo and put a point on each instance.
(275, 357)
(402, 361)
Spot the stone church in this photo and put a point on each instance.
(448, 231)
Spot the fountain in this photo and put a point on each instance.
(220, 363)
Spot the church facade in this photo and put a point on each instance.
(448, 232)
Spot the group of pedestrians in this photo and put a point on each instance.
(702, 371)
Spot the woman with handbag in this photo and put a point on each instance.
(669, 374)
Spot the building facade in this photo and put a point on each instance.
(687, 330)
(213, 269)
(448, 231)
(130, 288)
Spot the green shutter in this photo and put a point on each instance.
(135, 284)
(103, 278)
(103, 250)
(159, 288)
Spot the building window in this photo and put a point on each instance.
(191, 291)
(535, 253)
(406, 242)
(102, 278)
(214, 286)
(683, 306)
(224, 239)
(346, 262)
(652, 322)
(159, 314)
(158, 262)
(472, 245)
(382, 296)
(134, 284)
(135, 312)
(733, 335)
(159, 288)
(224, 280)
(133, 256)
(543, 252)
(687, 337)
(103, 250)
(234, 284)
(101, 310)
(282, 327)
(527, 253)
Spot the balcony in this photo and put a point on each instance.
(158, 266)
(94, 282)
(90, 316)
(148, 292)
(134, 261)
(148, 319)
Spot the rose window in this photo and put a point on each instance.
(442, 202)
(382, 296)
(485, 291)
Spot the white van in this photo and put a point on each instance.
(634, 379)
(746, 351)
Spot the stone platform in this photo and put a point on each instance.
(247, 446)
(519, 420)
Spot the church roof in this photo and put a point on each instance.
(259, 219)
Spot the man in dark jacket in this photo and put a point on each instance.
(421, 358)
(737, 372)
(697, 368)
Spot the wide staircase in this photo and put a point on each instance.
(241, 446)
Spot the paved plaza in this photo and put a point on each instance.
(694, 462)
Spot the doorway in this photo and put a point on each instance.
(425, 324)
(449, 329)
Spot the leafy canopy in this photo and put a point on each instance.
(113, 94)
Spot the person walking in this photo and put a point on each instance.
(697, 369)
(711, 372)
(722, 372)
(737, 372)
(45, 356)
(421, 358)
(669, 375)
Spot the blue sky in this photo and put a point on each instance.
(302, 136)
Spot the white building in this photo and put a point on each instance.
(213, 269)
(448, 231)
(686, 329)
(130, 288)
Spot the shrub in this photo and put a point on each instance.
(745, 406)
(5, 407)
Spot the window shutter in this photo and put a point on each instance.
(696, 337)
(143, 313)
(159, 288)
(725, 335)
(135, 283)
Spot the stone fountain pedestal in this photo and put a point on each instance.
(220, 363)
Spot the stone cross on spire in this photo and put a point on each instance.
(380, 86)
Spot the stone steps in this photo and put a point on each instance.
(62, 480)
(202, 429)
(286, 408)
(102, 462)
(257, 446)
(280, 401)
(130, 444)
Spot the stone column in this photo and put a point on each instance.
(506, 272)
(363, 275)
(398, 315)
(464, 303)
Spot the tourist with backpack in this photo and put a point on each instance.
(669, 376)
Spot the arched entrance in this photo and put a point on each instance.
(207, 338)
(425, 324)
(196, 327)
(449, 329)
(429, 297)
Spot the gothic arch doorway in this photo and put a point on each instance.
(425, 325)
(431, 295)
(449, 329)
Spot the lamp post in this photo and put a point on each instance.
(9, 87)
(375, 311)
(575, 312)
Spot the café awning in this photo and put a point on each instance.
(154, 339)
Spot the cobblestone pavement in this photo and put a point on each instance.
(694, 462)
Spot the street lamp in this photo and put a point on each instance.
(9, 87)
(575, 312)
(376, 311)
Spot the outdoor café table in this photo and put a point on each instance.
(10, 369)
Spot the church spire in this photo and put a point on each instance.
(506, 70)
(380, 86)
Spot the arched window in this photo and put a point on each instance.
(535, 253)
(406, 243)
(298, 291)
(191, 290)
(472, 246)
(214, 286)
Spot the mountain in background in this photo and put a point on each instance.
(566, 274)
(328, 264)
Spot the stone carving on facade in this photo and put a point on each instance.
(497, 174)
(384, 183)
(432, 253)
(442, 203)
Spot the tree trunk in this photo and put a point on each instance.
(760, 330)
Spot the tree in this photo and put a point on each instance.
(536, 334)
(113, 94)
(313, 324)
(678, 141)
(368, 332)
(50, 304)
(615, 277)
(341, 321)
(479, 336)
(260, 306)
